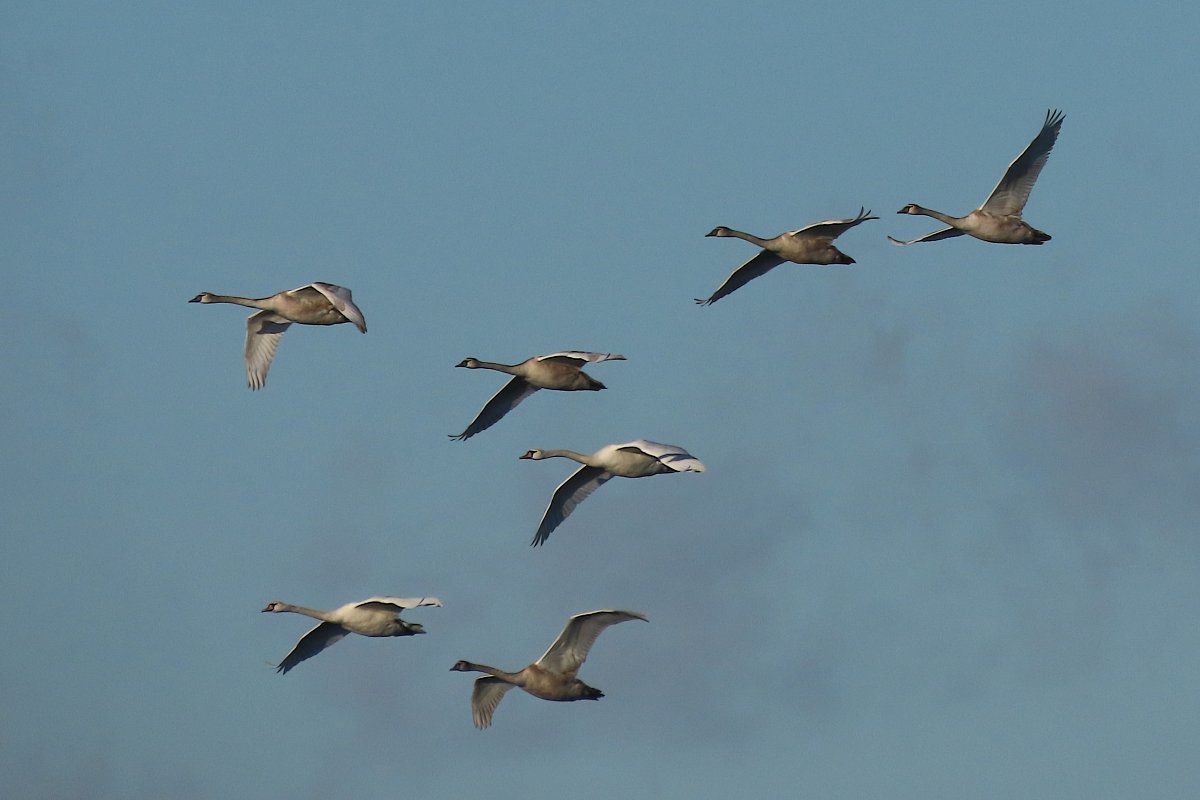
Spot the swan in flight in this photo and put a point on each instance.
(636, 459)
(559, 371)
(314, 304)
(999, 218)
(551, 677)
(375, 616)
(810, 245)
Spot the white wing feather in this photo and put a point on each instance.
(264, 329)
(340, 298)
(671, 455)
(570, 649)
(1011, 193)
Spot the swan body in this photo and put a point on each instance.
(999, 218)
(809, 245)
(637, 459)
(559, 371)
(313, 304)
(375, 616)
(551, 677)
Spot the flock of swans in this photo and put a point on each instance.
(553, 676)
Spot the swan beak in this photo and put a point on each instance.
(528, 454)
(195, 299)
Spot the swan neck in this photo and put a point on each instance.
(308, 612)
(953, 222)
(582, 458)
(511, 369)
(508, 677)
(249, 302)
(749, 237)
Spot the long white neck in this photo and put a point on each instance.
(308, 612)
(582, 458)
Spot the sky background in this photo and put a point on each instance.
(946, 543)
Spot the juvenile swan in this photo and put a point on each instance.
(636, 459)
(375, 616)
(314, 304)
(559, 371)
(999, 218)
(810, 245)
(551, 677)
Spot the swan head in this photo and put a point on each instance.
(536, 455)
(720, 230)
(461, 666)
(203, 297)
(911, 208)
(274, 605)
(469, 363)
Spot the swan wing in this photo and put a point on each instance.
(340, 298)
(264, 329)
(570, 493)
(833, 228)
(485, 696)
(571, 647)
(760, 265)
(1010, 194)
(502, 402)
(936, 236)
(670, 455)
(580, 357)
(396, 604)
(311, 643)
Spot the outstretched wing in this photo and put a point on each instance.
(264, 329)
(570, 493)
(670, 455)
(397, 604)
(761, 264)
(485, 696)
(339, 297)
(936, 236)
(1013, 190)
(502, 402)
(833, 228)
(311, 643)
(580, 357)
(571, 647)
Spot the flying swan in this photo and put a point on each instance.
(559, 371)
(551, 677)
(636, 459)
(314, 304)
(999, 218)
(810, 245)
(375, 616)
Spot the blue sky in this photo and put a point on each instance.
(946, 542)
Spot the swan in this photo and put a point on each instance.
(551, 677)
(999, 218)
(810, 245)
(559, 371)
(375, 616)
(636, 459)
(314, 304)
